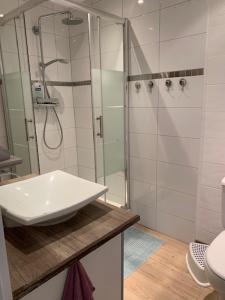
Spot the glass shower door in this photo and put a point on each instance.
(17, 96)
(109, 107)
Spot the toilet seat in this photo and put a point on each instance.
(215, 256)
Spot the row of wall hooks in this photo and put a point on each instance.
(168, 84)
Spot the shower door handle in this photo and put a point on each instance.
(100, 133)
(29, 137)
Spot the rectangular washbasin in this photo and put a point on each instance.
(46, 199)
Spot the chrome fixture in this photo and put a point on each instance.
(168, 83)
(29, 137)
(100, 133)
(150, 85)
(71, 20)
(61, 60)
(183, 83)
(137, 86)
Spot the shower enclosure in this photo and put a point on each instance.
(78, 55)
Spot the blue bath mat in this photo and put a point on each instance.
(138, 246)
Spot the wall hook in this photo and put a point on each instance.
(183, 83)
(150, 85)
(137, 86)
(168, 83)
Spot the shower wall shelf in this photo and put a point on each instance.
(46, 102)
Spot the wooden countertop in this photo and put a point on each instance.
(37, 254)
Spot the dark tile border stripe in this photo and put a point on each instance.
(182, 73)
(66, 83)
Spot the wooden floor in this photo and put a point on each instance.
(164, 275)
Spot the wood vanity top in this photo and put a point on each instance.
(37, 254)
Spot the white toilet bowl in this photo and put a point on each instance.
(215, 264)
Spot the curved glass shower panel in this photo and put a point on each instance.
(107, 72)
(17, 96)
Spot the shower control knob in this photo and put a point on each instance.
(168, 83)
(183, 83)
(137, 86)
(150, 85)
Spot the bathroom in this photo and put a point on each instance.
(127, 94)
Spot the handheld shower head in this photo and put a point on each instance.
(61, 60)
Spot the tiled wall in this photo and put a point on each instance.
(209, 218)
(165, 126)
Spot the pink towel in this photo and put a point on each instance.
(78, 286)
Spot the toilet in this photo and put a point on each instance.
(206, 263)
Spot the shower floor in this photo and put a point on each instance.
(116, 185)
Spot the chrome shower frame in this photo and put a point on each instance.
(72, 4)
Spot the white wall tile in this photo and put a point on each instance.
(210, 198)
(69, 138)
(212, 174)
(143, 120)
(86, 173)
(83, 117)
(81, 69)
(215, 71)
(79, 46)
(176, 122)
(214, 150)
(8, 39)
(131, 8)
(215, 125)
(144, 59)
(147, 214)
(142, 193)
(215, 98)
(70, 156)
(167, 3)
(209, 220)
(176, 227)
(85, 157)
(68, 118)
(184, 151)
(143, 145)
(84, 138)
(176, 203)
(183, 53)
(188, 18)
(143, 170)
(82, 96)
(62, 47)
(111, 38)
(145, 29)
(49, 45)
(216, 43)
(180, 178)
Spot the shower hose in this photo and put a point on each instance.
(45, 125)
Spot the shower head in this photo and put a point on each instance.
(61, 60)
(72, 21)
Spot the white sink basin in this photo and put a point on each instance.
(46, 199)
